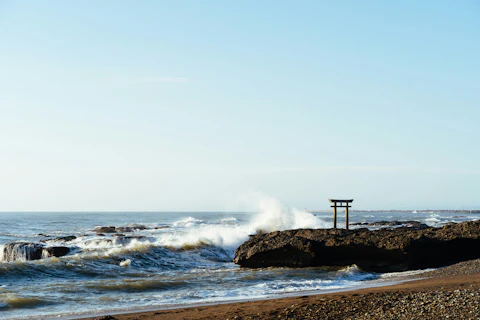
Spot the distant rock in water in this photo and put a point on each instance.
(105, 230)
(393, 223)
(384, 250)
(112, 229)
(60, 239)
(55, 252)
(25, 251)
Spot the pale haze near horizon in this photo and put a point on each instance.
(197, 105)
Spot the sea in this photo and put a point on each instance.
(158, 260)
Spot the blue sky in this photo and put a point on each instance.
(194, 105)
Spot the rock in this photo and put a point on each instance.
(105, 230)
(162, 227)
(135, 227)
(22, 251)
(112, 229)
(384, 250)
(139, 227)
(56, 251)
(60, 239)
(25, 251)
(393, 223)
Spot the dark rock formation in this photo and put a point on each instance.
(112, 229)
(139, 227)
(25, 251)
(384, 250)
(59, 239)
(56, 251)
(105, 230)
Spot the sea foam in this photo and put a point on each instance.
(271, 216)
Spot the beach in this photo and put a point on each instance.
(450, 292)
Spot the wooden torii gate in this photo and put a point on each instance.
(339, 204)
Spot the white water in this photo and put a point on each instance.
(19, 252)
(271, 216)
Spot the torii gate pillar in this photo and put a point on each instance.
(340, 204)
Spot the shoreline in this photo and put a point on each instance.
(290, 307)
(424, 294)
(369, 284)
(118, 312)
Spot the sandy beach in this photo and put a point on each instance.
(450, 292)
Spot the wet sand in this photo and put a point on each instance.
(451, 292)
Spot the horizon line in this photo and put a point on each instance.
(216, 211)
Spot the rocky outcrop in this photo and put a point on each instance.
(384, 250)
(25, 251)
(55, 251)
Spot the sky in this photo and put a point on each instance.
(198, 105)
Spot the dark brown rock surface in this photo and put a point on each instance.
(59, 239)
(384, 250)
(25, 251)
(112, 229)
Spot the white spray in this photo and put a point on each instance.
(271, 215)
(18, 251)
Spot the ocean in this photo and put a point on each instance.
(162, 259)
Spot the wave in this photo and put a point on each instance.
(188, 222)
(125, 263)
(187, 244)
(271, 216)
(136, 285)
(229, 221)
(354, 273)
(10, 301)
(315, 279)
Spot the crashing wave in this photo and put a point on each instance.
(26, 251)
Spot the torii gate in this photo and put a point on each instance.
(341, 205)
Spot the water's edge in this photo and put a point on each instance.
(113, 312)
